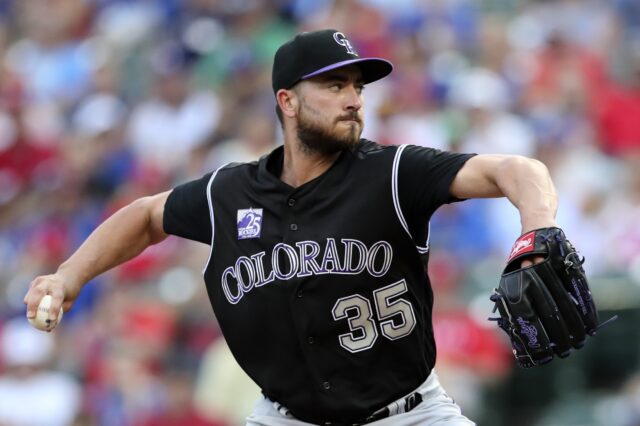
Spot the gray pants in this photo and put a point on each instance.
(436, 408)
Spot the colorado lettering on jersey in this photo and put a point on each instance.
(307, 258)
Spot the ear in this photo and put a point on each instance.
(288, 102)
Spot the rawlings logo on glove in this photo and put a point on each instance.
(530, 332)
(522, 245)
(546, 309)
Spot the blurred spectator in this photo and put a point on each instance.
(578, 172)
(96, 148)
(624, 206)
(410, 112)
(28, 154)
(470, 353)
(256, 137)
(32, 394)
(50, 54)
(166, 128)
(492, 128)
(223, 390)
(178, 409)
(616, 109)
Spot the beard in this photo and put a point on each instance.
(317, 138)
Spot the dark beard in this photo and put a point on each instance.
(317, 140)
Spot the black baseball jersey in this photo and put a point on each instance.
(321, 291)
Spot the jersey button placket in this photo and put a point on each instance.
(291, 201)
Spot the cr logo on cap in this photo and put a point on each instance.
(341, 39)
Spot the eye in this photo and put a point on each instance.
(335, 86)
(359, 88)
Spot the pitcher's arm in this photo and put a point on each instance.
(121, 237)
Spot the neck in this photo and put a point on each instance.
(300, 166)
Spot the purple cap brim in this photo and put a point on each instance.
(374, 73)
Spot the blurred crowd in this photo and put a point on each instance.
(104, 101)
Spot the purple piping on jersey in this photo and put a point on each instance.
(345, 63)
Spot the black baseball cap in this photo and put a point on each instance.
(316, 52)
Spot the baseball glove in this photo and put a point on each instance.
(546, 309)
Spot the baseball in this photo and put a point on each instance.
(41, 320)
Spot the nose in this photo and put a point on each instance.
(354, 99)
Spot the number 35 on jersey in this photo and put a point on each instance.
(394, 315)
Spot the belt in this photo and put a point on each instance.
(402, 405)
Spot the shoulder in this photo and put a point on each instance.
(401, 155)
(233, 171)
(369, 149)
(423, 155)
(251, 168)
(236, 167)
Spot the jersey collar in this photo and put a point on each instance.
(270, 168)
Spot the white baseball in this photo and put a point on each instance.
(41, 320)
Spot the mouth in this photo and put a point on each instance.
(349, 120)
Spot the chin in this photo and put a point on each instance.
(353, 130)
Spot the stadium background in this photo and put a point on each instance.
(103, 101)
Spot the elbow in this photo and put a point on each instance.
(513, 165)
(527, 180)
(139, 208)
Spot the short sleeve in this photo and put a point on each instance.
(425, 176)
(186, 211)
(424, 181)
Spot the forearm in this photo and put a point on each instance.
(120, 238)
(526, 183)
